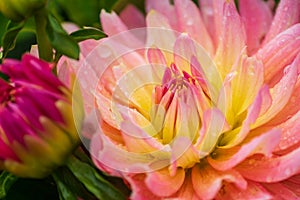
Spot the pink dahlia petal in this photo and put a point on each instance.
(214, 124)
(165, 8)
(158, 62)
(279, 191)
(232, 38)
(186, 192)
(261, 103)
(292, 184)
(12, 132)
(281, 93)
(246, 84)
(137, 140)
(111, 23)
(206, 75)
(132, 17)
(253, 191)
(257, 16)
(116, 158)
(274, 169)
(192, 23)
(162, 184)
(184, 154)
(27, 71)
(207, 11)
(6, 151)
(291, 107)
(156, 38)
(207, 181)
(290, 132)
(287, 14)
(140, 190)
(279, 52)
(224, 159)
(218, 9)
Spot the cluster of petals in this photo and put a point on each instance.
(37, 130)
(226, 129)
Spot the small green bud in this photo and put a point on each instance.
(18, 10)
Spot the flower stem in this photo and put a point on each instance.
(44, 45)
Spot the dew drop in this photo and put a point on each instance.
(269, 179)
(251, 70)
(251, 162)
(189, 22)
(288, 171)
(104, 52)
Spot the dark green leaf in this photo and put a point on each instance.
(55, 25)
(85, 34)
(3, 76)
(64, 192)
(3, 25)
(109, 4)
(69, 185)
(23, 44)
(83, 13)
(33, 189)
(10, 36)
(60, 40)
(6, 181)
(96, 184)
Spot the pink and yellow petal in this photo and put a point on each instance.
(207, 181)
(270, 170)
(281, 93)
(165, 8)
(257, 16)
(246, 84)
(140, 190)
(192, 23)
(162, 184)
(224, 159)
(287, 14)
(253, 191)
(132, 17)
(213, 126)
(232, 38)
(261, 103)
(184, 154)
(278, 53)
(279, 191)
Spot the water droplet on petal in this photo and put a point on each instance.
(104, 52)
(288, 171)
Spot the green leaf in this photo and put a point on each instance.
(60, 40)
(37, 189)
(85, 34)
(83, 13)
(3, 25)
(96, 184)
(63, 190)
(10, 36)
(109, 4)
(6, 181)
(69, 185)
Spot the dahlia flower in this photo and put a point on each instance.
(201, 103)
(37, 129)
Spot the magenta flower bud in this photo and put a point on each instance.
(37, 129)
